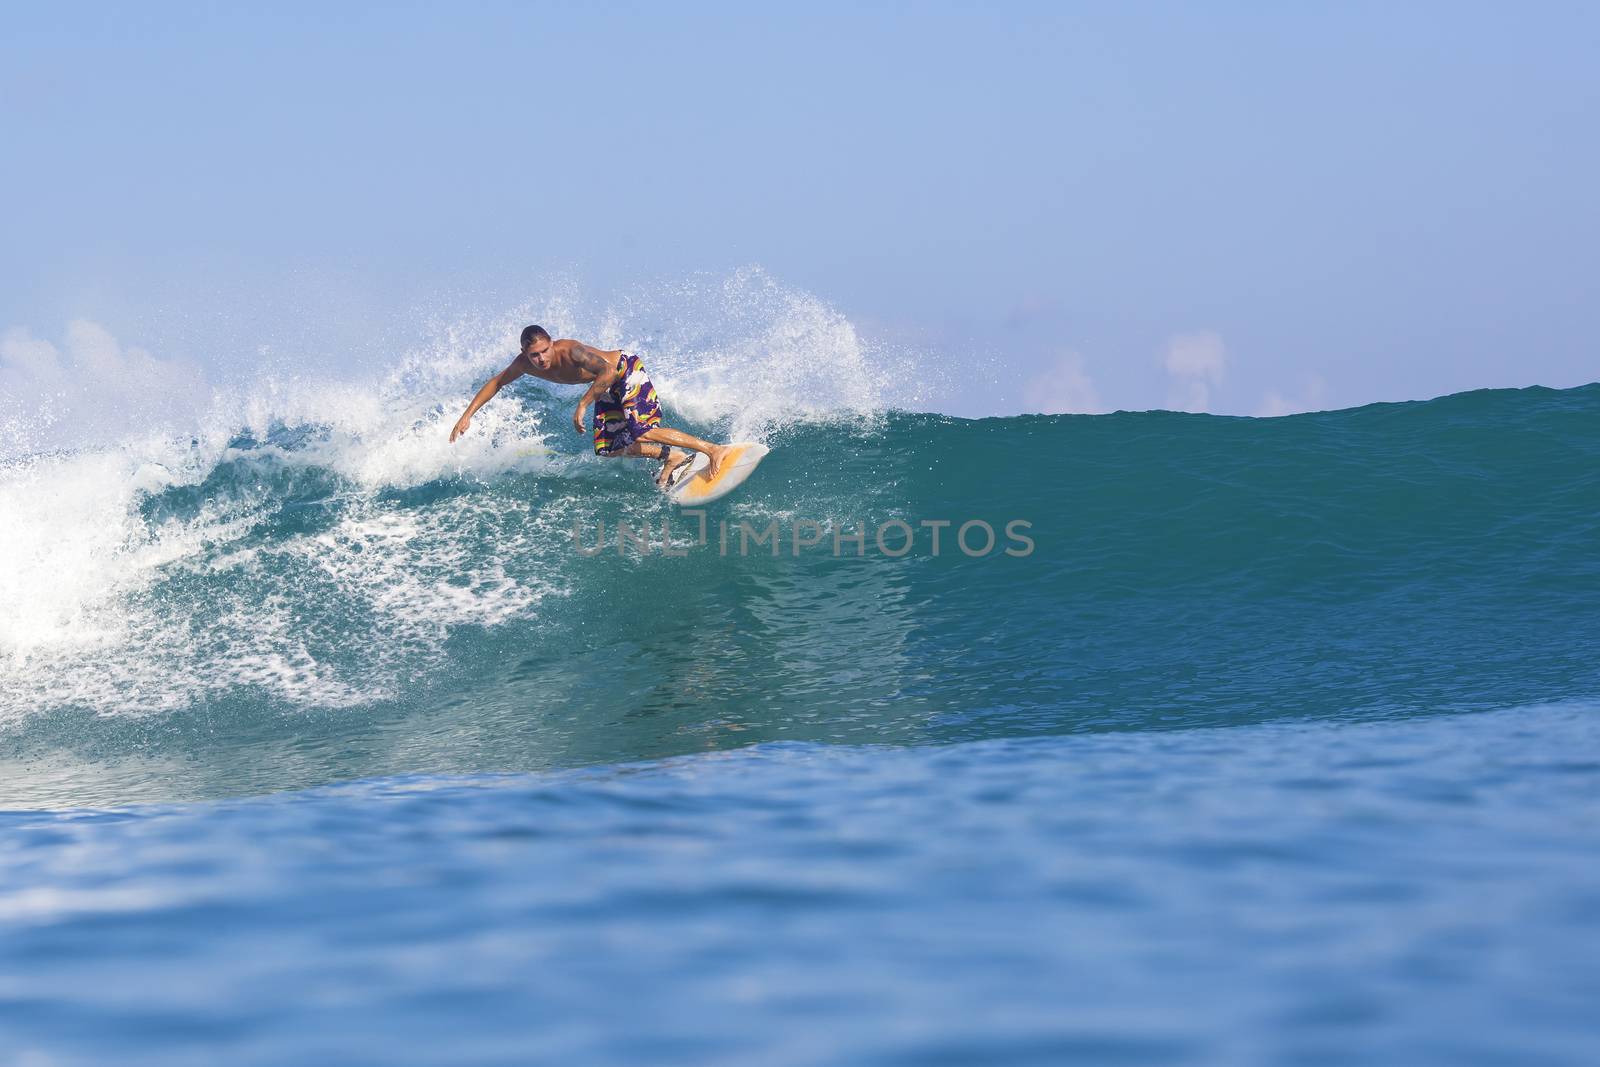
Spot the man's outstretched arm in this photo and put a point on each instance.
(490, 387)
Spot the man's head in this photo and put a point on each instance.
(536, 345)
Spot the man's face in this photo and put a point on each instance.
(538, 352)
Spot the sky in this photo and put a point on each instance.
(1248, 209)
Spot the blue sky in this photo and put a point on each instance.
(1246, 208)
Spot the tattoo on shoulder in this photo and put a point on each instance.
(589, 359)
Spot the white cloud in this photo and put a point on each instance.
(1196, 363)
(1313, 398)
(1063, 387)
(91, 388)
(23, 356)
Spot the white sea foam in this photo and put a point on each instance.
(760, 357)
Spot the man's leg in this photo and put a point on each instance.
(667, 436)
(643, 412)
(638, 451)
(652, 450)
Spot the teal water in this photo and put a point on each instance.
(1270, 740)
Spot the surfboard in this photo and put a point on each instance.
(697, 487)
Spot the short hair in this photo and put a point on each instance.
(529, 333)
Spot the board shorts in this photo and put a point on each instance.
(625, 411)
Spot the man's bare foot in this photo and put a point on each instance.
(676, 459)
(718, 455)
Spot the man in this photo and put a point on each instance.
(627, 417)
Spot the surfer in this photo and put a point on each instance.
(627, 416)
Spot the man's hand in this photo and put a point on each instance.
(461, 427)
(577, 416)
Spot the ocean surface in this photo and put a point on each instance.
(1195, 740)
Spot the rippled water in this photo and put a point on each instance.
(1408, 892)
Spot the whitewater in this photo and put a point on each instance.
(324, 740)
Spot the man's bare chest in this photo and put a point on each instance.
(562, 371)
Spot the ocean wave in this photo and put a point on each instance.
(316, 578)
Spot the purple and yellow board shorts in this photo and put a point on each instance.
(626, 410)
